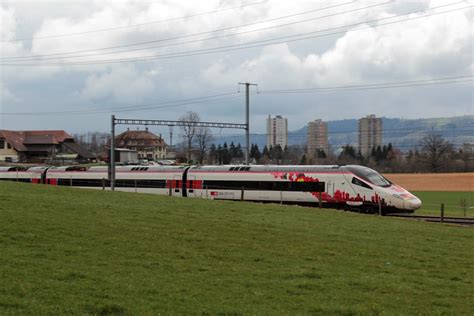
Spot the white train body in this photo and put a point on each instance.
(23, 174)
(354, 187)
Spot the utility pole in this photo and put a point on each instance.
(247, 120)
(171, 136)
(112, 155)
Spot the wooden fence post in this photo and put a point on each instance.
(103, 184)
(320, 200)
(442, 213)
(242, 193)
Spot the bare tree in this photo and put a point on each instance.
(204, 138)
(189, 129)
(435, 151)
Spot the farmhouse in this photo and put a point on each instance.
(41, 146)
(148, 145)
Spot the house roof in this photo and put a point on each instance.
(20, 140)
(79, 150)
(143, 138)
(41, 141)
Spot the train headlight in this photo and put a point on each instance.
(414, 204)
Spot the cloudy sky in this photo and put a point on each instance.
(71, 64)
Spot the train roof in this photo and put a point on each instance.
(12, 168)
(117, 168)
(269, 168)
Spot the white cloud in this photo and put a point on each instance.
(429, 47)
(6, 96)
(121, 84)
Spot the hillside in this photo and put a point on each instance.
(72, 251)
(404, 133)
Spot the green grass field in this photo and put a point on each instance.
(72, 251)
(432, 203)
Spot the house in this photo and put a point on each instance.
(124, 155)
(41, 146)
(148, 145)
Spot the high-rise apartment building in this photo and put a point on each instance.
(277, 131)
(370, 134)
(317, 137)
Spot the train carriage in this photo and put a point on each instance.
(257, 183)
(22, 174)
(144, 179)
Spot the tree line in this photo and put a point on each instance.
(432, 154)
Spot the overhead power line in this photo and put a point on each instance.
(385, 131)
(136, 25)
(386, 85)
(168, 104)
(227, 95)
(274, 41)
(198, 34)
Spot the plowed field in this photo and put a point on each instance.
(434, 181)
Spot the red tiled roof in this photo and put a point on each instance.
(143, 138)
(20, 139)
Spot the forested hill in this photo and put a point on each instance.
(402, 133)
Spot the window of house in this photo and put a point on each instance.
(2, 144)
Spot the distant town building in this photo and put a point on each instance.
(277, 131)
(41, 146)
(370, 134)
(317, 137)
(148, 145)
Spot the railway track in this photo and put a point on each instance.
(465, 221)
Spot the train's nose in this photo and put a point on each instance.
(414, 204)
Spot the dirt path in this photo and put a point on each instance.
(434, 181)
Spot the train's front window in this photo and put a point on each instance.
(370, 175)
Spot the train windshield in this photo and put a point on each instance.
(369, 175)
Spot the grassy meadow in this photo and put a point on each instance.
(72, 251)
(431, 203)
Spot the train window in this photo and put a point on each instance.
(369, 175)
(232, 169)
(360, 183)
(266, 185)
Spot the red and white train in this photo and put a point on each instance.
(346, 187)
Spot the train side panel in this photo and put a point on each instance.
(29, 175)
(155, 180)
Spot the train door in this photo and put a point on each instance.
(191, 188)
(176, 186)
